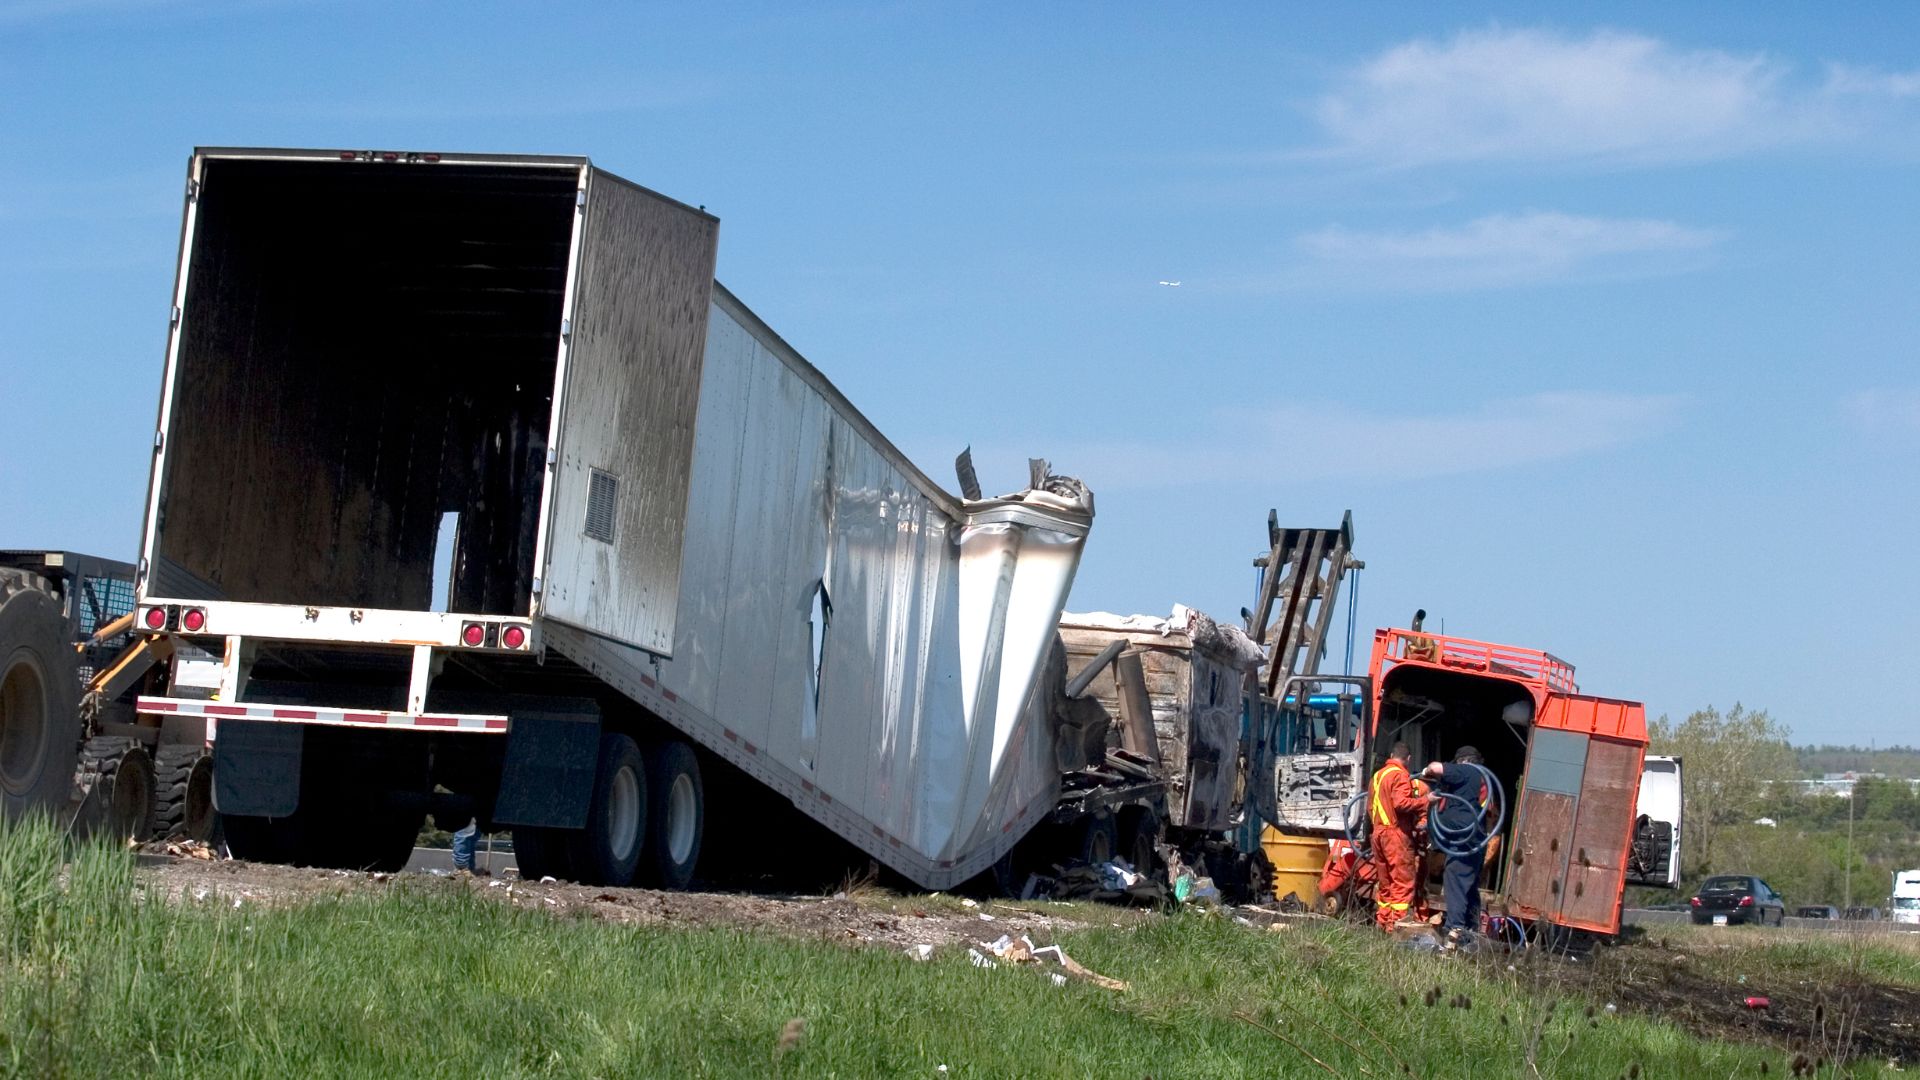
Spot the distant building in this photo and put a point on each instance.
(1840, 784)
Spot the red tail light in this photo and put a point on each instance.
(1746, 901)
(473, 634)
(513, 637)
(155, 618)
(1696, 901)
(193, 620)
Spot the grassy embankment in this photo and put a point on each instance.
(428, 980)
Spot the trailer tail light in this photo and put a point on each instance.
(193, 620)
(473, 634)
(155, 618)
(347, 155)
(1746, 901)
(1696, 901)
(513, 637)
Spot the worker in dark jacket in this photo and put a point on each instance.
(1459, 796)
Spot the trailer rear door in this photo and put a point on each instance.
(635, 340)
(1574, 823)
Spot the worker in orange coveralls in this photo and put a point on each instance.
(1395, 807)
(1345, 879)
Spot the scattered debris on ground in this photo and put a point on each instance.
(870, 918)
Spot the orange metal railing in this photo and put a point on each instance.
(1542, 669)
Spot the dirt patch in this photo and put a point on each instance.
(1737, 995)
(864, 917)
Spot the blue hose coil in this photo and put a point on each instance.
(1472, 838)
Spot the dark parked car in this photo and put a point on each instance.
(1727, 899)
(1817, 911)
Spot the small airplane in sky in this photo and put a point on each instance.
(1171, 284)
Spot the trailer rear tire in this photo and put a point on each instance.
(541, 853)
(39, 699)
(608, 850)
(365, 834)
(261, 839)
(676, 815)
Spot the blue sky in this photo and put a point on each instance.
(1604, 331)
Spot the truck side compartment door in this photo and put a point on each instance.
(1573, 827)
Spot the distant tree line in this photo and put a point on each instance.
(1897, 761)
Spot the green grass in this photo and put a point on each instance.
(428, 980)
(1826, 955)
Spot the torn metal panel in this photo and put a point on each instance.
(1190, 671)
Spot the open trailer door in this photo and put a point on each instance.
(1313, 753)
(1574, 821)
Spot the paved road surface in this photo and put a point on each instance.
(427, 858)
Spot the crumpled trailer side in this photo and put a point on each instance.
(490, 502)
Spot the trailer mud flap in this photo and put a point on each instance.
(256, 768)
(547, 777)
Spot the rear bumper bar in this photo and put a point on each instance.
(306, 714)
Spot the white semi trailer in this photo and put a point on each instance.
(473, 491)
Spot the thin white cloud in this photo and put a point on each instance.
(1241, 445)
(1884, 411)
(1608, 97)
(1501, 249)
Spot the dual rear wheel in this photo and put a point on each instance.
(645, 821)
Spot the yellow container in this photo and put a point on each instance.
(1297, 862)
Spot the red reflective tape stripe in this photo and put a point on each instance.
(647, 681)
(496, 725)
(806, 786)
(295, 714)
(894, 840)
(365, 717)
(877, 832)
(731, 737)
(825, 798)
(158, 706)
(437, 721)
(946, 864)
(670, 695)
(226, 710)
(751, 749)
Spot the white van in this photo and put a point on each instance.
(1906, 896)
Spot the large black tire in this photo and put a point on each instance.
(183, 793)
(262, 840)
(608, 850)
(1099, 838)
(371, 835)
(1139, 832)
(676, 815)
(354, 811)
(39, 699)
(541, 853)
(116, 781)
